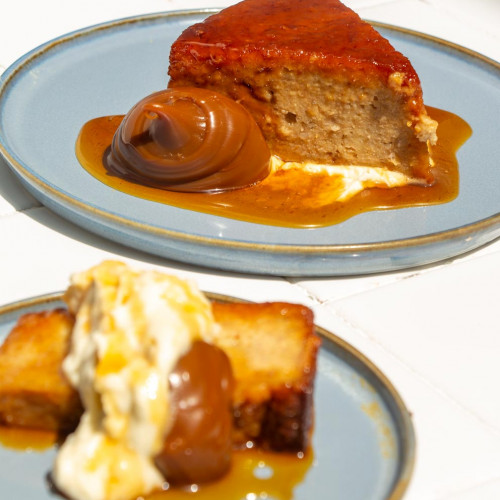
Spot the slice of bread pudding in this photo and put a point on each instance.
(322, 84)
(272, 348)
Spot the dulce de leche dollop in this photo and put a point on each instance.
(191, 140)
(198, 446)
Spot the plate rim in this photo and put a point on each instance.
(386, 390)
(274, 250)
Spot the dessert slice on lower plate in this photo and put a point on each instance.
(272, 348)
(237, 375)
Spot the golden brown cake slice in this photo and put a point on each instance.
(272, 348)
(322, 84)
(33, 390)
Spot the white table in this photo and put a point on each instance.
(444, 363)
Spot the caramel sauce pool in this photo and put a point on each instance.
(253, 474)
(288, 198)
(263, 474)
(27, 439)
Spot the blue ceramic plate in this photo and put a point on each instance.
(48, 94)
(363, 440)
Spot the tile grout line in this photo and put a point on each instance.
(368, 4)
(407, 274)
(311, 297)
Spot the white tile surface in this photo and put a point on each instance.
(455, 449)
(485, 491)
(444, 325)
(325, 289)
(61, 17)
(48, 249)
(434, 331)
(457, 22)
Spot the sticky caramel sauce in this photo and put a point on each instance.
(253, 473)
(199, 442)
(288, 198)
(19, 439)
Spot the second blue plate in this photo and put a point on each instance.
(363, 443)
(47, 95)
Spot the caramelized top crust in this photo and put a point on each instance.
(323, 34)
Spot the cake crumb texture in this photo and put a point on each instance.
(322, 84)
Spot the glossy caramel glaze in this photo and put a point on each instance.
(289, 198)
(191, 140)
(324, 34)
(24, 439)
(198, 447)
(254, 474)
